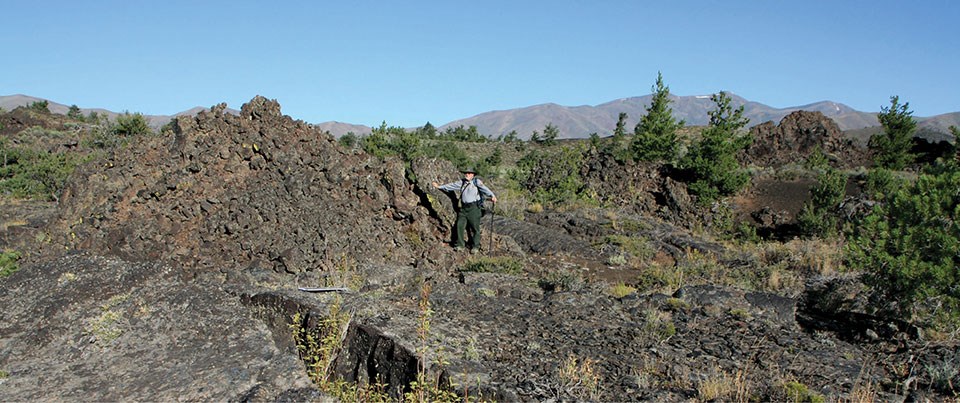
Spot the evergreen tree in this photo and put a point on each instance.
(892, 147)
(94, 118)
(550, 133)
(907, 247)
(956, 141)
(594, 141)
(615, 146)
(535, 137)
(621, 129)
(40, 106)
(75, 113)
(461, 133)
(820, 215)
(428, 131)
(712, 161)
(655, 136)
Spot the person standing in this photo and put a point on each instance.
(469, 213)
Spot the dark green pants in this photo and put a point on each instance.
(468, 223)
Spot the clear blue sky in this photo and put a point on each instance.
(409, 62)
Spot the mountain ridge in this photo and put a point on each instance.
(582, 120)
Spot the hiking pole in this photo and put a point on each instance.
(493, 211)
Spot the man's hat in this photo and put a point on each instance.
(468, 170)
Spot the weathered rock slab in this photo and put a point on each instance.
(99, 329)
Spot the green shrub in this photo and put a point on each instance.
(131, 124)
(104, 137)
(892, 146)
(460, 133)
(881, 182)
(386, 140)
(8, 263)
(800, 393)
(453, 152)
(817, 160)
(318, 345)
(944, 374)
(712, 161)
(562, 280)
(956, 142)
(26, 173)
(552, 176)
(495, 158)
(820, 215)
(95, 118)
(549, 138)
(40, 106)
(907, 247)
(348, 140)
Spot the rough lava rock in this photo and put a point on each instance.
(795, 138)
(100, 329)
(171, 272)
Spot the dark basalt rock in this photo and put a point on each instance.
(797, 136)
(171, 272)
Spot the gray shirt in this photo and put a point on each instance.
(470, 193)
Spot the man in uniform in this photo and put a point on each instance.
(468, 215)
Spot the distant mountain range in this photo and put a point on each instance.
(581, 121)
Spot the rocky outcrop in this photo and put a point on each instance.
(255, 190)
(100, 329)
(795, 138)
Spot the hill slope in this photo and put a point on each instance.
(580, 121)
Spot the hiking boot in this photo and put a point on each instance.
(457, 248)
(474, 251)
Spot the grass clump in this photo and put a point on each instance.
(107, 327)
(665, 279)
(319, 345)
(344, 273)
(494, 264)
(562, 280)
(800, 393)
(621, 290)
(658, 325)
(638, 248)
(617, 260)
(718, 386)
(580, 378)
(8, 263)
(944, 375)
